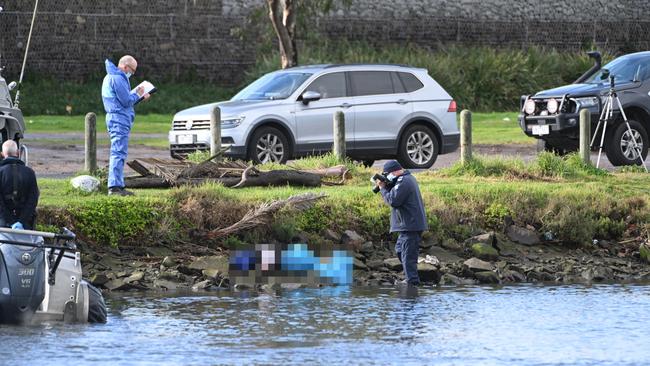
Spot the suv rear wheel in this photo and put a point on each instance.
(620, 145)
(268, 145)
(418, 148)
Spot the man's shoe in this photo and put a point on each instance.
(118, 191)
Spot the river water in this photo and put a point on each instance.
(514, 325)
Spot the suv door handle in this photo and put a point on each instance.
(345, 105)
(402, 101)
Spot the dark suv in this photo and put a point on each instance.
(552, 116)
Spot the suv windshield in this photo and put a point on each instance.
(273, 86)
(624, 69)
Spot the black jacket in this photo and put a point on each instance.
(18, 192)
(407, 208)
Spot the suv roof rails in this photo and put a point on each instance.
(366, 64)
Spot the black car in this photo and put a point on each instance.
(552, 116)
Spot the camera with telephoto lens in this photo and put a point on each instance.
(384, 178)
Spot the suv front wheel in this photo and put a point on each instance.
(418, 148)
(268, 145)
(620, 145)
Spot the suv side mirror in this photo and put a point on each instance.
(604, 75)
(310, 96)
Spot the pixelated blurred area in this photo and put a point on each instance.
(290, 263)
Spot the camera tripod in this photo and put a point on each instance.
(607, 116)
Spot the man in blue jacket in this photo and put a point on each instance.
(407, 217)
(118, 104)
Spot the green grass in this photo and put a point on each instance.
(498, 128)
(575, 202)
(146, 123)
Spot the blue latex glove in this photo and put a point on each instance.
(17, 226)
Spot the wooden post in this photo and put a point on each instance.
(339, 135)
(585, 136)
(465, 136)
(91, 143)
(215, 131)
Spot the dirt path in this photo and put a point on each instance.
(54, 159)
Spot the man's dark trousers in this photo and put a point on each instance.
(408, 249)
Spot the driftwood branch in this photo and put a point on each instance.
(264, 214)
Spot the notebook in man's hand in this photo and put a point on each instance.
(148, 88)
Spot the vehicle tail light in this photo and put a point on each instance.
(452, 106)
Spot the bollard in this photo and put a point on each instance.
(215, 131)
(465, 136)
(339, 135)
(585, 135)
(91, 143)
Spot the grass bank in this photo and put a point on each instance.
(572, 202)
(488, 128)
(479, 78)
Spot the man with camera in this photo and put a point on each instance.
(400, 190)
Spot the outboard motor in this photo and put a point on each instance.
(40, 281)
(22, 278)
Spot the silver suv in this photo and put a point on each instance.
(390, 111)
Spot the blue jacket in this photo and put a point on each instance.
(117, 97)
(407, 208)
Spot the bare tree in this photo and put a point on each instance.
(283, 17)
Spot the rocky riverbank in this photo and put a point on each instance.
(517, 255)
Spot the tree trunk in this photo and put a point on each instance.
(283, 18)
(271, 178)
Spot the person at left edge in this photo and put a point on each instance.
(118, 105)
(18, 190)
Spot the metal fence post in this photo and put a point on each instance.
(465, 136)
(585, 135)
(215, 131)
(339, 135)
(90, 164)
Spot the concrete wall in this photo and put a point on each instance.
(174, 38)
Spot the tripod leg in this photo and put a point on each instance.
(600, 120)
(608, 116)
(635, 145)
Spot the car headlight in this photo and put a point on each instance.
(232, 122)
(552, 106)
(529, 107)
(586, 102)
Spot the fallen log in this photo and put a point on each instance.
(263, 179)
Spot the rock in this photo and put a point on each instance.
(484, 251)
(217, 262)
(168, 285)
(393, 263)
(428, 272)
(85, 183)
(426, 244)
(271, 287)
(597, 274)
(450, 279)
(522, 236)
(350, 237)
(241, 287)
(332, 235)
(451, 244)
(487, 238)
(358, 264)
(477, 265)
(212, 274)
(118, 284)
(292, 286)
(99, 279)
(375, 264)
(644, 252)
(367, 248)
(159, 251)
(134, 277)
(444, 255)
(487, 277)
(168, 262)
(512, 276)
(201, 285)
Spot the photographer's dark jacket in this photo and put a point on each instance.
(407, 212)
(18, 193)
